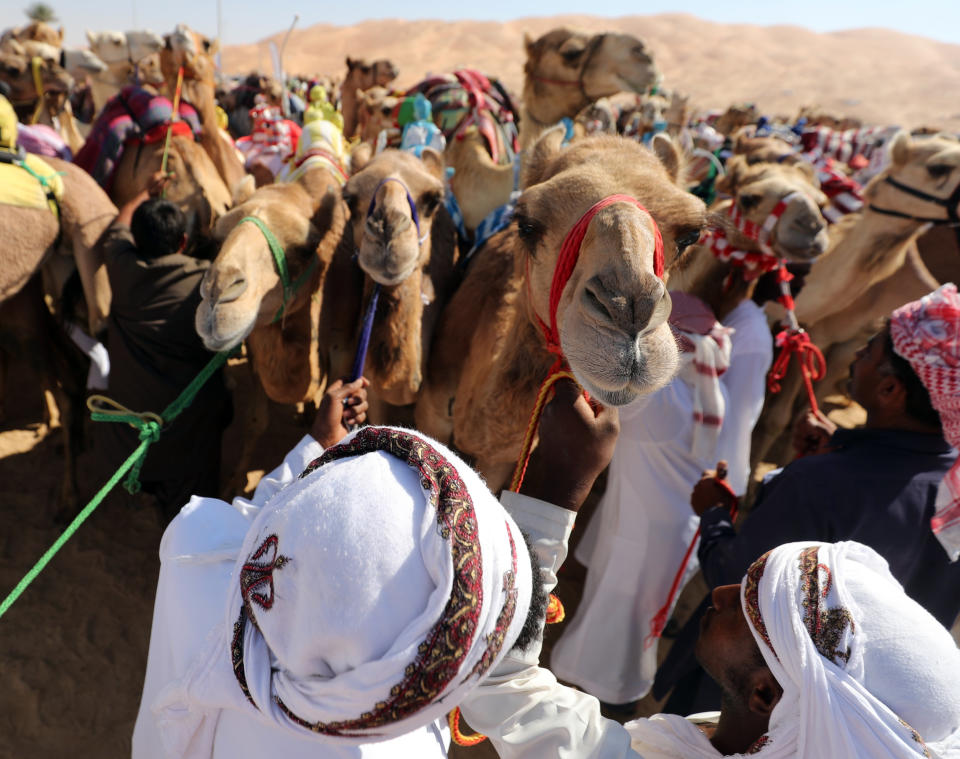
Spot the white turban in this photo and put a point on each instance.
(369, 598)
(865, 670)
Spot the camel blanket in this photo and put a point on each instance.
(29, 182)
(133, 115)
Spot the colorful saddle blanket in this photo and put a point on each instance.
(133, 115)
(28, 181)
(467, 97)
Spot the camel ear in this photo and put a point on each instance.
(360, 157)
(900, 148)
(666, 150)
(91, 38)
(211, 47)
(543, 151)
(350, 63)
(225, 224)
(729, 182)
(433, 161)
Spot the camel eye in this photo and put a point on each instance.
(687, 238)
(748, 202)
(570, 57)
(939, 171)
(640, 53)
(529, 230)
(429, 202)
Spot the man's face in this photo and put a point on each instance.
(866, 371)
(726, 647)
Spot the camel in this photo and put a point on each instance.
(195, 53)
(800, 235)
(375, 114)
(736, 116)
(489, 356)
(870, 264)
(52, 107)
(361, 76)
(28, 238)
(566, 70)
(125, 55)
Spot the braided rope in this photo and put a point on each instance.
(556, 373)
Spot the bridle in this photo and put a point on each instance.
(950, 205)
(592, 49)
(421, 238)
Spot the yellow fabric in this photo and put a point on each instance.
(8, 126)
(20, 188)
(320, 134)
(321, 109)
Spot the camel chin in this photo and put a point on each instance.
(219, 328)
(385, 272)
(616, 370)
(803, 250)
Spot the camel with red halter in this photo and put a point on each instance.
(870, 267)
(605, 312)
(361, 76)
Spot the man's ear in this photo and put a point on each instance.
(765, 692)
(891, 392)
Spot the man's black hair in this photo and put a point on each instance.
(538, 600)
(917, 406)
(158, 228)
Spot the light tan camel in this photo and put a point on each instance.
(800, 235)
(489, 356)
(35, 31)
(566, 70)
(479, 184)
(736, 116)
(866, 267)
(375, 114)
(361, 76)
(129, 57)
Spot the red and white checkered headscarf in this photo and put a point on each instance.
(926, 333)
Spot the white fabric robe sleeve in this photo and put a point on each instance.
(521, 707)
(208, 534)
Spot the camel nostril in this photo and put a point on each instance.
(594, 303)
(233, 291)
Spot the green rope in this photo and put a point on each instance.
(279, 258)
(150, 430)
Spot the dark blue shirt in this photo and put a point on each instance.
(878, 487)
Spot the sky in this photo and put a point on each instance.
(247, 21)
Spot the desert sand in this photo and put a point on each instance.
(878, 75)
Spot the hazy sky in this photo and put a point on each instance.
(251, 20)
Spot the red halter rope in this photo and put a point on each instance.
(566, 262)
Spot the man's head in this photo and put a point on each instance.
(159, 228)
(822, 641)
(371, 595)
(887, 387)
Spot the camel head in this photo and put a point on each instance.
(242, 288)
(36, 31)
(142, 43)
(16, 70)
(801, 232)
(736, 116)
(382, 197)
(763, 149)
(362, 75)
(566, 69)
(612, 313)
(109, 47)
(187, 48)
(80, 63)
(376, 110)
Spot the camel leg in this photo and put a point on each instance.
(254, 418)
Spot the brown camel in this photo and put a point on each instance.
(867, 267)
(195, 53)
(375, 115)
(489, 356)
(28, 238)
(361, 76)
(16, 69)
(736, 116)
(567, 70)
(315, 340)
(800, 235)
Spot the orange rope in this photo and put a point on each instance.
(556, 373)
(555, 611)
(453, 719)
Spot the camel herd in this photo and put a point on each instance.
(457, 345)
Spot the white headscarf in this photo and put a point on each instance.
(369, 598)
(866, 672)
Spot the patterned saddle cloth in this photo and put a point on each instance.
(134, 115)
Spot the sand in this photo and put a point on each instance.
(878, 75)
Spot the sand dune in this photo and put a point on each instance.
(879, 75)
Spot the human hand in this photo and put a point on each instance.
(576, 444)
(708, 492)
(158, 182)
(812, 433)
(344, 405)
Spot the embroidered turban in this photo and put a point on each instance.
(370, 597)
(865, 670)
(926, 333)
